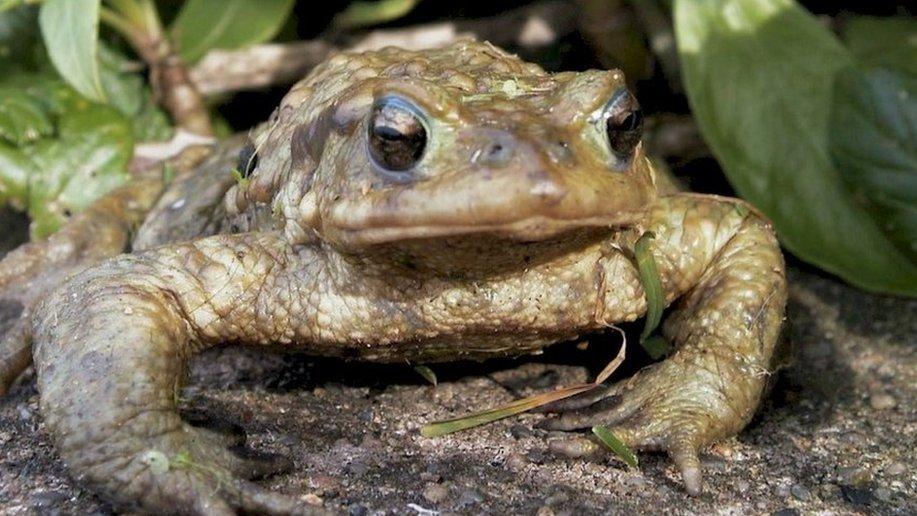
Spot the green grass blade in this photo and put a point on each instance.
(656, 347)
(619, 448)
(652, 284)
(427, 373)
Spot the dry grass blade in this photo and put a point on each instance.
(449, 426)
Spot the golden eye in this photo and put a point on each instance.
(624, 124)
(397, 136)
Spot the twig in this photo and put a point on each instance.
(222, 71)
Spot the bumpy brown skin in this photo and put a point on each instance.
(485, 250)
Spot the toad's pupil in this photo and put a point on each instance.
(632, 122)
(397, 137)
(624, 132)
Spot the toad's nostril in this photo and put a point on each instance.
(560, 152)
(496, 154)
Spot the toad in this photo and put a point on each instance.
(430, 206)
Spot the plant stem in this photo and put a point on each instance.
(139, 23)
(117, 22)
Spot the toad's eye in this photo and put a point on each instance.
(397, 136)
(248, 160)
(624, 124)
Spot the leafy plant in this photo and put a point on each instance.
(771, 129)
(62, 145)
(203, 25)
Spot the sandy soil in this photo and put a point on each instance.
(836, 433)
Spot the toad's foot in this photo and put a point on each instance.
(110, 352)
(678, 406)
(168, 464)
(724, 330)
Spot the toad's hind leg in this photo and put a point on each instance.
(111, 348)
(724, 330)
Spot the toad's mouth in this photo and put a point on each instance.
(530, 229)
(530, 207)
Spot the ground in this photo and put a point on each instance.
(835, 434)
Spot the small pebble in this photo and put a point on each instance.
(830, 491)
(313, 499)
(800, 492)
(743, 485)
(854, 475)
(435, 493)
(469, 498)
(857, 495)
(357, 510)
(444, 393)
(786, 511)
(519, 431)
(882, 401)
(883, 494)
(896, 468)
(516, 461)
(635, 481)
(537, 456)
(47, 499)
(545, 511)
(324, 484)
(288, 439)
(557, 498)
(782, 491)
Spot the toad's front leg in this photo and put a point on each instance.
(111, 347)
(724, 257)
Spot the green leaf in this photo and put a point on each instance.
(123, 87)
(70, 29)
(363, 13)
(129, 94)
(614, 444)
(151, 123)
(889, 42)
(6, 5)
(759, 76)
(23, 118)
(203, 25)
(874, 146)
(652, 284)
(15, 168)
(89, 159)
